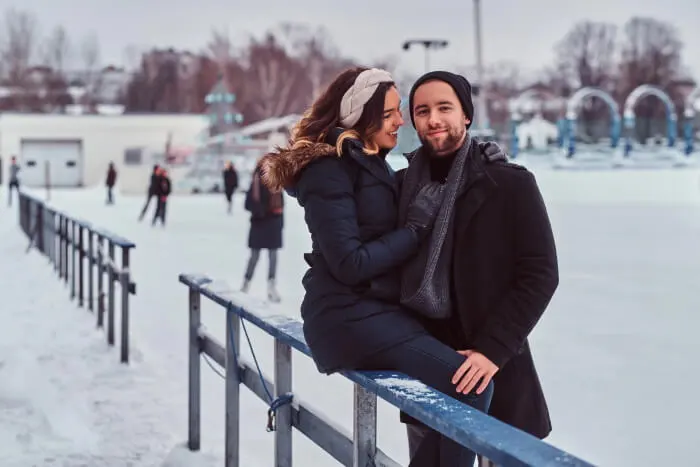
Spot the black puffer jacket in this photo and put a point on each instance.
(350, 203)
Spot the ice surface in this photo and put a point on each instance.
(615, 349)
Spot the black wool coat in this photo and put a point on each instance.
(504, 274)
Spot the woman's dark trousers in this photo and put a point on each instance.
(434, 363)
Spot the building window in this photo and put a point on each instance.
(133, 156)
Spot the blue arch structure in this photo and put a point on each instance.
(635, 96)
(689, 115)
(574, 105)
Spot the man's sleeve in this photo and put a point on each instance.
(536, 277)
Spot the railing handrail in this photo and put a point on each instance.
(102, 232)
(70, 244)
(497, 441)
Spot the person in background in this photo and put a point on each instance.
(14, 180)
(266, 223)
(111, 180)
(162, 192)
(230, 183)
(152, 188)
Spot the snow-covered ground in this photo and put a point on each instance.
(615, 349)
(65, 400)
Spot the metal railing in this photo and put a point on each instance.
(496, 443)
(76, 249)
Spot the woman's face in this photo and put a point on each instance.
(387, 136)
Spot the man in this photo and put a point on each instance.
(153, 185)
(230, 183)
(495, 263)
(14, 180)
(110, 182)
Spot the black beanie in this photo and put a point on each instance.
(458, 82)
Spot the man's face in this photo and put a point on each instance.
(440, 121)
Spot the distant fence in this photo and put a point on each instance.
(498, 443)
(70, 245)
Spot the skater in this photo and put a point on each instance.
(266, 223)
(14, 180)
(111, 180)
(230, 183)
(152, 187)
(336, 168)
(162, 192)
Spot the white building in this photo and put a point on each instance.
(75, 150)
(536, 133)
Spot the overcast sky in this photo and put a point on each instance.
(517, 30)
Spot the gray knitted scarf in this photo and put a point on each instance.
(425, 279)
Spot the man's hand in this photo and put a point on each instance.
(492, 152)
(476, 367)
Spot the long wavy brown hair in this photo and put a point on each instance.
(324, 115)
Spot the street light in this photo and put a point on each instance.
(428, 44)
(482, 116)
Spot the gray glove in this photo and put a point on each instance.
(492, 152)
(424, 209)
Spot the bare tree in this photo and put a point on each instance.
(56, 50)
(221, 50)
(18, 41)
(587, 54)
(502, 81)
(90, 52)
(651, 54)
(318, 55)
(133, 56)
(554, 77)
(90, 58)
(208, 72)
(55, 53)
(504, 78)
(313, 48)
(274, 80)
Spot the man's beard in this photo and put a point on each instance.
(448, 145)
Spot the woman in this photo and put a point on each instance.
(352, 319)
(266, 223)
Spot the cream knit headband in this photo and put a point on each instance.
(360, 92)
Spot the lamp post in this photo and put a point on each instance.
(428, 44)
(482, 116)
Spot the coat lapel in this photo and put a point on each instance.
(476, 191)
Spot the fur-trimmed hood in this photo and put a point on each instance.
(280, 169)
